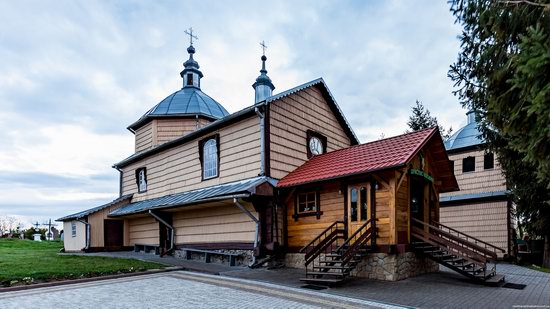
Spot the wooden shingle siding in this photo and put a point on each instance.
(214, 224)
(478, 181)
(290, 118)
(486, 221)
(170, 129)
(178, 169)
(143, 231)
(144, 137)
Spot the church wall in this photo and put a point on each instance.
(290, 118)
(170, 129)
(217, 224)
(178, 169)
(478, 181)
(484, 220)
(143, 231)
(144, 137)
(96, 220)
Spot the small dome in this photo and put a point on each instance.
(466, 136)
(188, 101)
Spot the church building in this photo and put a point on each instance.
(285, 178)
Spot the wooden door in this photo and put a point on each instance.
(417, 199)
(359, 210)
(113, 233)
(165, 234)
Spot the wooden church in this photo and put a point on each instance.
(286, 179)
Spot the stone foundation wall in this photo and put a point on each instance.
(394, 267)
(244, 259)
(380, 266)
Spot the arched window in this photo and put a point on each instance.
(210, 159)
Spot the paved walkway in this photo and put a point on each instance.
(445, 289)
(178, 290)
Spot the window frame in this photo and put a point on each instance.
(73, 229)
(202, 142)
(464, 164)
(317, 212)
(485, 161)
(321, 137)
(138, 171)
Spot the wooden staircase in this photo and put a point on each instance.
(331, 257)
(458, 251)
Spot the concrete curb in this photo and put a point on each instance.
(90, 279)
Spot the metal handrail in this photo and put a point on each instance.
(320, 235)
(459, 241)
(469, 237)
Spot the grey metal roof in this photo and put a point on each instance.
(466, 136)
(318, 81)
(471, 196)
(188, 101)
(216, 192)
(82, 214)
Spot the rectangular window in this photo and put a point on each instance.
(307, 202)
(452, 165)
(468, 164)
(73, 229)
(489, 161)
(189, 79)
(141, 179)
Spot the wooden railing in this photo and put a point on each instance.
(325, 240)
(357, 240)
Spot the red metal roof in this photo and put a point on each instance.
(378, 155)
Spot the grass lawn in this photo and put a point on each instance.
(26, 261)
(546, 270)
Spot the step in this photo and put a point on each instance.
(455, 260)
(495, 280)
(435, 252)
(330, 267)
(322, 280)
(426, 247)
(323, 273)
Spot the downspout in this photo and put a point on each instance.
(87, 233)
(257, 235)
(262, 140)
(119, 180)
(171, 228)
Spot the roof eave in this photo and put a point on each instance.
(317, 181)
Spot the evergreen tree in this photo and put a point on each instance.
(422, 119)
(503, 73)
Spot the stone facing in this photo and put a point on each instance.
(380, 266)
(244, 258)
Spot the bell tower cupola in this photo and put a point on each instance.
(191, 74)
(263, 86)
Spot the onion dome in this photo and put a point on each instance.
(188, 102)
(466, 136)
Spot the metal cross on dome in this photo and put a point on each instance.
(191, 36)
(264, 47)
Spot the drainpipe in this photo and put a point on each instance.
(87, 233)
(171, 228)
(257, 235)
(119, 180)
(262, 140)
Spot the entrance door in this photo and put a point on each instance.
(358, 207)
(165, 235)
(417, 199)
(113, 233)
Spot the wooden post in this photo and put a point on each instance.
(393, 205)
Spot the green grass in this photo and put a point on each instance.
(545, 270)
(26, 261)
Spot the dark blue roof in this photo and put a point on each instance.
(224, 191)
(465, 137)
(189, 101)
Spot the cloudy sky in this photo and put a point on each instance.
(74, 74)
